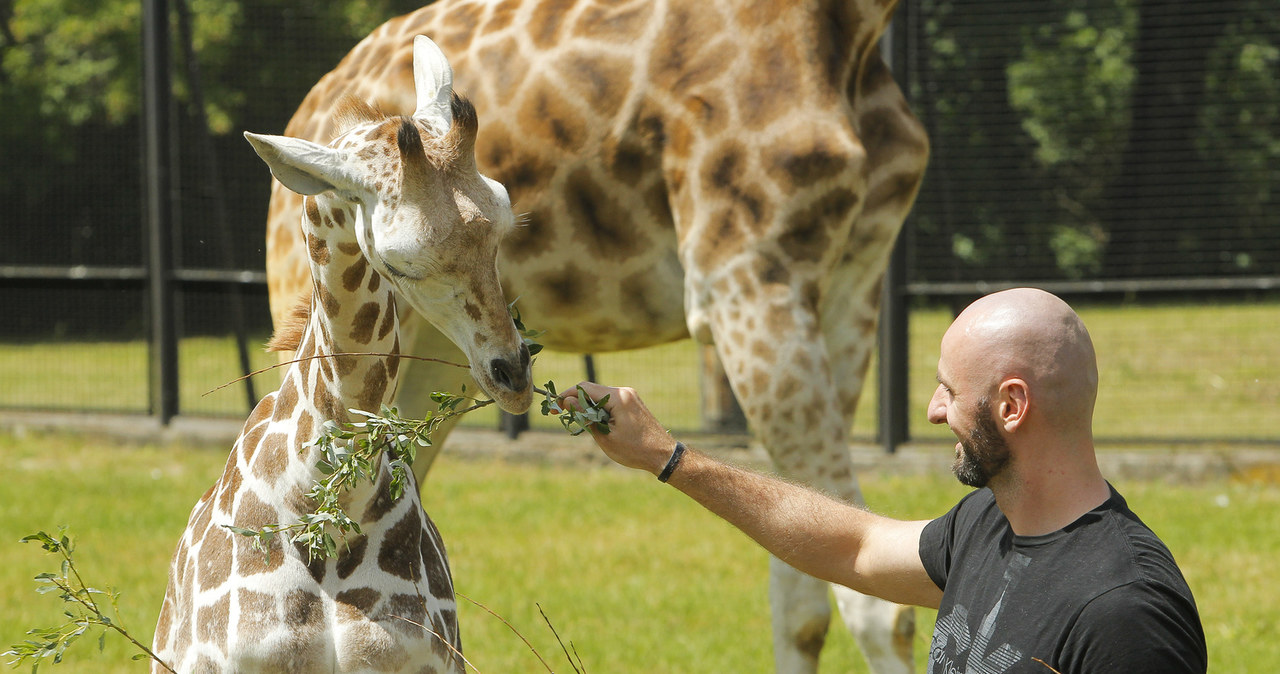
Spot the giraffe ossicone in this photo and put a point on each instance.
(395, 208)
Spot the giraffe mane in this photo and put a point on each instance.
(288, 335)
(351, 111)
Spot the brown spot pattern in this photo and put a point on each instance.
(566, 287)
(211, 623)
(311, 210)
(808, 231)
(388, 320)
(352, 276)
(351, 556)
(214, 560)
(229, 486)
(318, 249)
(545, 113)
(286, 400)
(544, 24)
(683, 59)
(411, 607)
(257, 611)
(365, 321)
(303, 610)
(602, 220)
(375, 387)
(382, 503)
(439, 581)
(400, 555)
(357, 602)
(273, 456)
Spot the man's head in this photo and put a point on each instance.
(1016, 369)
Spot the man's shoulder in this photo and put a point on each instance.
(1152, 612)
(1138, 552)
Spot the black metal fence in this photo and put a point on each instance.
(1125, 151)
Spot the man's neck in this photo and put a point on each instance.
(1041, 499)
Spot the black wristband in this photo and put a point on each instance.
(676, 455)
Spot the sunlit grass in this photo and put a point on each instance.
(1168, 372)
(635, 575)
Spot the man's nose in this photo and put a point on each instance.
(937, 410)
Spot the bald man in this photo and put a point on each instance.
(1043, 564)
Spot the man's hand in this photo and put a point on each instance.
(635, 439)
(822, 537)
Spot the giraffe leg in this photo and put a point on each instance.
(798, 377)
(774, 354)
(801, 614)
(419, 379)
(884, 631)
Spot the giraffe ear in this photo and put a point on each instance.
(300, 165)
(433, 82)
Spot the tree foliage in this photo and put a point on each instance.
(1085, 138)
(1050, 153)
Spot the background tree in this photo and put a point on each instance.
(1158, 200)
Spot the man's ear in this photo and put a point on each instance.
(1014, 404)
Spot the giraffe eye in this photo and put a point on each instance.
(395, 272)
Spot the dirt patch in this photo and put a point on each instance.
(1183, 463)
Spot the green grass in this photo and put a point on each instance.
(1168, 372)
(636, 576)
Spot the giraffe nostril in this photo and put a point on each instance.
(509, 374)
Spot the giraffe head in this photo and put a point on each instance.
(424, 217)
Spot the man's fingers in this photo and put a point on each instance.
(594, 391)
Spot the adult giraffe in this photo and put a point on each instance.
(734, 171)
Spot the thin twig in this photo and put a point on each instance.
(334, 355)
(93, 607)
(561, 641)
(1046, 665)
(510, 627)
(444, 641)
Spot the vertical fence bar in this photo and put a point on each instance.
(893, 365)
(892, 429)
(157, 97)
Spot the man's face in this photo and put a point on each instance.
(985, 453)
(961, 402)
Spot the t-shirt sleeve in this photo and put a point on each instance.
(1140, 627)
(937, 542)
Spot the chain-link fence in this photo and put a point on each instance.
(1123, 153)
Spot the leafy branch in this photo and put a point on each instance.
(351, 452)
(84, 612)
(576, 421)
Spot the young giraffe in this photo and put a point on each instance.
(396, 208)
(734, 171)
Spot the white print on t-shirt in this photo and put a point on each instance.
(952, 639)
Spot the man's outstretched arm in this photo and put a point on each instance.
(816, 534)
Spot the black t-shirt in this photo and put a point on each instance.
(1101, 595)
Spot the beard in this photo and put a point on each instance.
(985, 453)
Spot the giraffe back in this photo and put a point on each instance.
(646, 141)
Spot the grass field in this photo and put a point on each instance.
(634, 575)
(1168, 372)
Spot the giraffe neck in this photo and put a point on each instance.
(352, 311)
